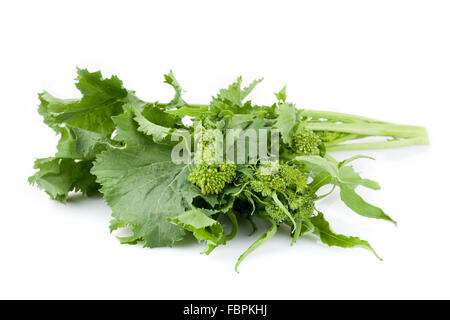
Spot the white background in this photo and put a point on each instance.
(381, 59)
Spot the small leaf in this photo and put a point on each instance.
(247, 90)
(361, 207)
(233, 95)
(317, 164)
(202, 227)
(349, 177)
(266, 236)
(328, 237)
(285, 122)
(177, 101)
(281, 95)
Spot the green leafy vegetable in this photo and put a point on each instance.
(112, 142)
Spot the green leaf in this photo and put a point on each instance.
(349, 177)
(202, 227)
(102, 98)
(304, 226)
(76, 143)
(67, 144)
(127, 131)
(85, 126)
(177, 101)
(89, 144)
(285, 122)
(322, 170)
(247, 90)
(326, 169)
(144, 187)
(51, 108)
(240, 121)
(327, 236)
(320, 179)
(281, 95)
(159, 133)
(115, 224)
(152, 119)
(317, 165)
(233, 95)
(58, 176)
(361, 207)
(266, 236)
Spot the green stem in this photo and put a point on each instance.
(234, 225)
(283, 208)
(379, 145)
(189, 105)
(369, 129)
(345, 138)
(335, 116)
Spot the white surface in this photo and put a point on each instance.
(383, 59)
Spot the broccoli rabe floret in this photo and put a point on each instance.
(284, 192)
(306, 142)
(269, 178)
(212, 178)
(275, 213)
(302, 206)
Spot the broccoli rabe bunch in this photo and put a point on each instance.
(114, 143)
